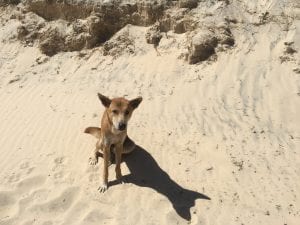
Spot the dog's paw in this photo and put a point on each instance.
(121, 179)
(93, 161)
(102, 188)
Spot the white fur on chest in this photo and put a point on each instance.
(108, 140)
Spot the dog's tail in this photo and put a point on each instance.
(95, 131)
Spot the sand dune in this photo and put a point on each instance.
(218, 141)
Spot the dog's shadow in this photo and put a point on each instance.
(145, 172)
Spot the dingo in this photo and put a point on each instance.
(113, 133)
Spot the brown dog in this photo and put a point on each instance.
(113, 133)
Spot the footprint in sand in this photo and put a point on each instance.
(58, 167)
(29, 170)
(58, 175)
(59, 160)
(15, 177)
(25, 169)
(25, 166)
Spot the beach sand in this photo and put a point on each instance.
(218, 141)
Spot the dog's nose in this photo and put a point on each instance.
(122, 126)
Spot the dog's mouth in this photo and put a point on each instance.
(120, 127)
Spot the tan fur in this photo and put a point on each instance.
(95, 131)
(113, 133)
(128, 145)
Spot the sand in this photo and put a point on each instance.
(218, 141)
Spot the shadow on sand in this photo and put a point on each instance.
(145, 172)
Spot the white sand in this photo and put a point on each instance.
(228, 130)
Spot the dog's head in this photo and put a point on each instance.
(119, 110)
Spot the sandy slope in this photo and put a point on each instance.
(225, 130)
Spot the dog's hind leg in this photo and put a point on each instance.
(96, 132)
(93, 160)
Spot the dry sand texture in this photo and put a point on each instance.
(218, 129)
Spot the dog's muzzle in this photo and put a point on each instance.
(122, 126)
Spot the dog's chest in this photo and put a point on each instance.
(113, 139)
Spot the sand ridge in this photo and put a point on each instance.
(218, 140)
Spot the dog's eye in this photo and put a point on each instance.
(115, 111)
(126, 112)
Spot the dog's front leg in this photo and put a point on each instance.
(106, 153)
(119, 149)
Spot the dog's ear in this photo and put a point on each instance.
(105, 100)
(135, 102)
